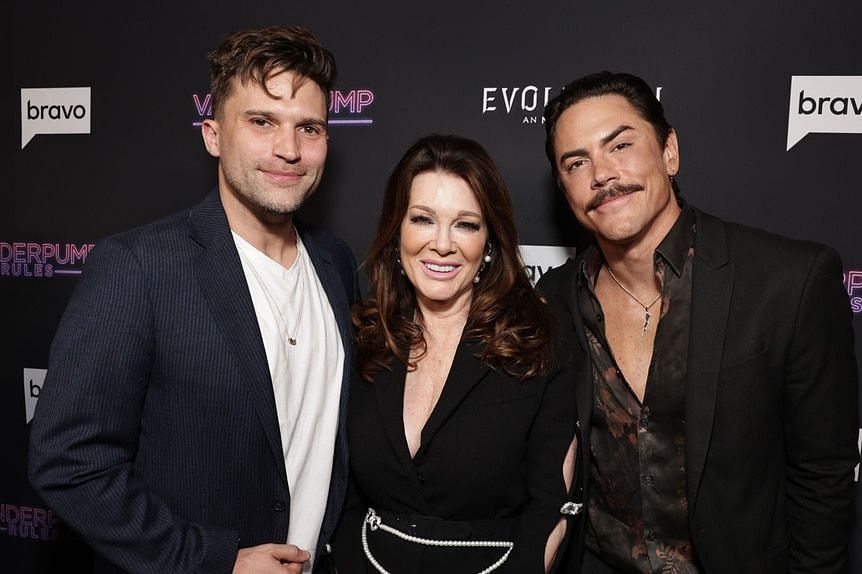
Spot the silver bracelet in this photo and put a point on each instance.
(374, 521)
(571, 508)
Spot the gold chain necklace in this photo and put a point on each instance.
(647, 315)
(300, 290)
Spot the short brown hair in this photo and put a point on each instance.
(254, 55)
(507, 317)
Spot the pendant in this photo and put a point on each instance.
(292, 341)
(647, 317)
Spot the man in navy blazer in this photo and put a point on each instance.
(202, 352)
(718, 383)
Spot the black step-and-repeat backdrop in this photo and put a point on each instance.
(102, 107)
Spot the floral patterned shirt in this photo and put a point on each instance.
(637, 503)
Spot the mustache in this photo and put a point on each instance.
(612, 191)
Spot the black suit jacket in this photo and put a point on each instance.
(771, 400)
(491, 450)
(156, 434)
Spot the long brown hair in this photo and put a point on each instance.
(507, 318)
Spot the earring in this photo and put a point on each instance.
(398, 262)
(485, 260)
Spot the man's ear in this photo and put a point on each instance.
(671, 153)
(209, 132)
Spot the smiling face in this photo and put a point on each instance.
(614, 171)
(442, 241)
(271, 148)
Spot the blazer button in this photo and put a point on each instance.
(279, 506)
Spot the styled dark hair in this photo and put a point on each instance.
(506, 316)
(254, 55)
(634, 89)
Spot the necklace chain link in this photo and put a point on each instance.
(647, 314)
(291, 338)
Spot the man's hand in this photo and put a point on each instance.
(274, 558)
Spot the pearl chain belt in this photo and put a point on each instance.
(373, 521)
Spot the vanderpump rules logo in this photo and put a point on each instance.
(346, 107)
(524, 103)
(28, 522)
(853, 284)
(29, 259)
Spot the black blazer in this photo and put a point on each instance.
(771, 401)
(156, 435)
(491, 450)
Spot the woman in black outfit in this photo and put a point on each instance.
(461, 429)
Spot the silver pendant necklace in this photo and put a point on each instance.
(298, 293)
(647, 315)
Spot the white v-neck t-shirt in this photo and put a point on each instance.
(290, 303)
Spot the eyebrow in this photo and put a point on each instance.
(611, 136)
(267, 115)
(308, 121)
(313, 122)
(461, 213)
(604, 141)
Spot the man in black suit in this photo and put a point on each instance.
(718, 372)
(192, 419)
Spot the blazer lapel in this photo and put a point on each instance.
(465, 373)
(581, 359)
(389, 389)
(221, 278)
(712, 285)
(334, 287)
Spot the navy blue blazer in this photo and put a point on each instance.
(771, 400)
(156, 435)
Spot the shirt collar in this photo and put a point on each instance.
(674, 248)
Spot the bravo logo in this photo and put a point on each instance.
(824, 105)
(33, 381)
(539, 259)
(54, 111)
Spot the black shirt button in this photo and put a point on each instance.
(649, 479)
(279, 506)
